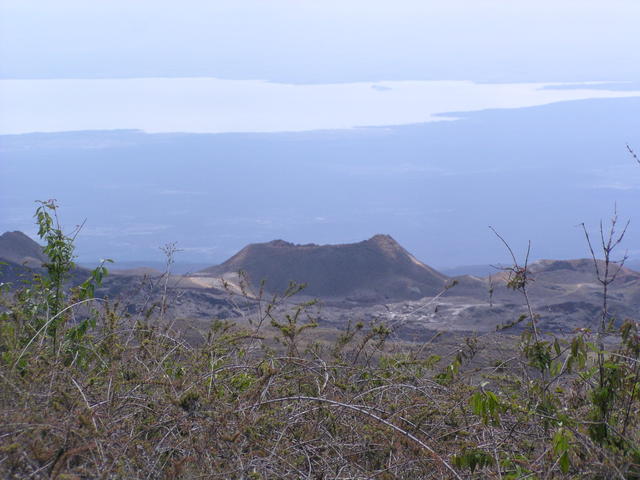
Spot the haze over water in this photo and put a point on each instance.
(211, 105)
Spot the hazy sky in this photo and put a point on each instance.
(323, 41)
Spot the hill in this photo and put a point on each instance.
(377, 269)
(579, 271)
(373, 279)
(18, 248)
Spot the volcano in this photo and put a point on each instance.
(378, 269)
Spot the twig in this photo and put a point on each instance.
(363, 411)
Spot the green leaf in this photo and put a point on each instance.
(564, 462)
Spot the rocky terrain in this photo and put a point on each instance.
(375, 280)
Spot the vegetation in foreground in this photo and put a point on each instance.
(89, 392)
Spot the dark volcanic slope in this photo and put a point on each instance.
(576, 273)
(579, 271)
(375, 269)
(16, 247)
(21, 257)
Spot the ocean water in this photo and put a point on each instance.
(211, 105)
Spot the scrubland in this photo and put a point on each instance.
(90, 390)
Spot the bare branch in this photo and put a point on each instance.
(362, 410)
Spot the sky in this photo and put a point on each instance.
(424, 120)
(307, 41)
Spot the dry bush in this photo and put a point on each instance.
(106, 395)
